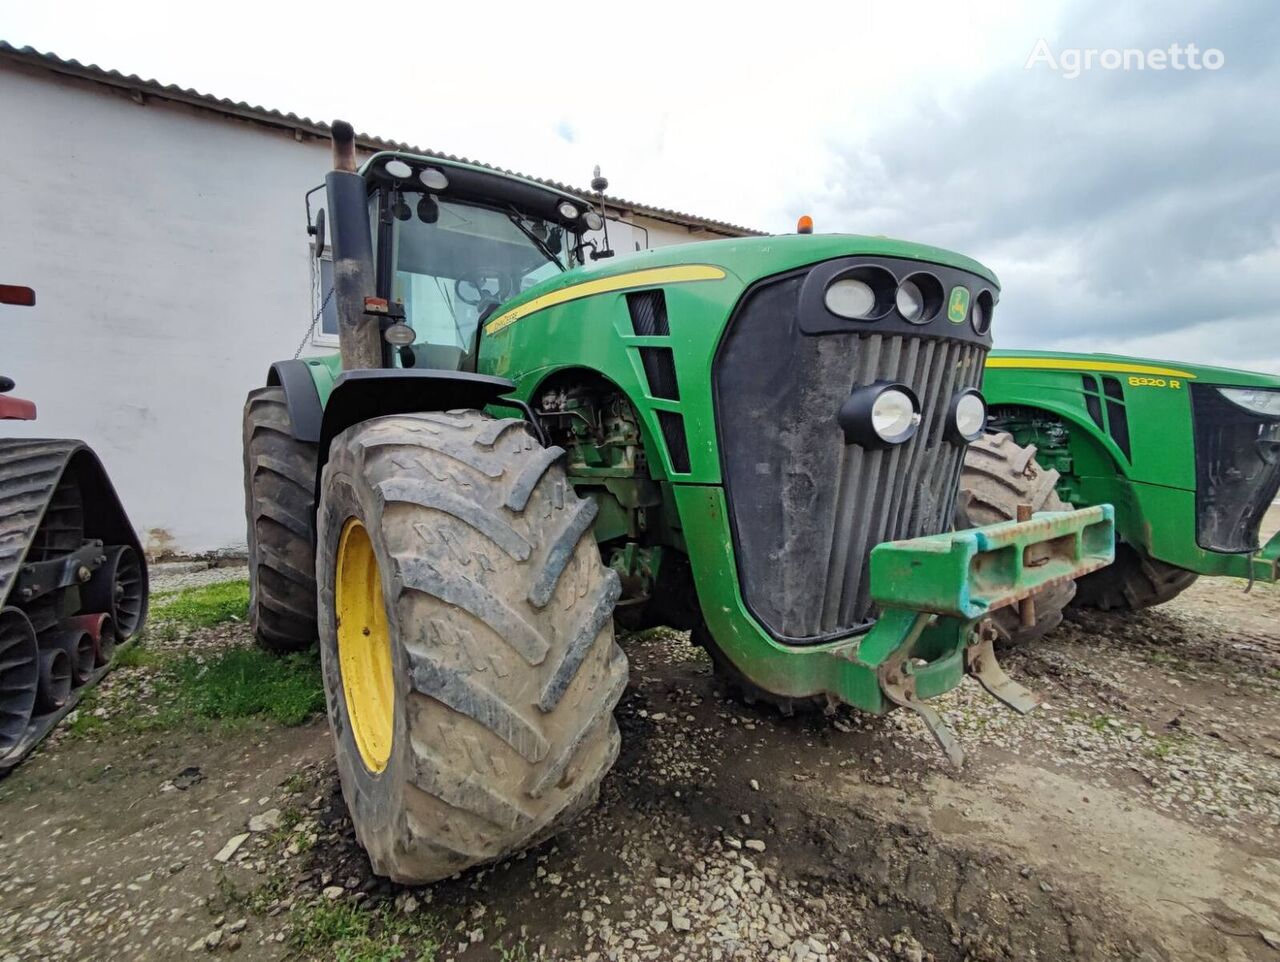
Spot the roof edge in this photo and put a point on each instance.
(141, 88)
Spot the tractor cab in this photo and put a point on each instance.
(451, 242)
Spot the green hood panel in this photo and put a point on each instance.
(751, 258)
(1122, 365)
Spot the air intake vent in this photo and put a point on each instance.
(660, 369)
(677, 445)
(648, 313)
(1117, 419)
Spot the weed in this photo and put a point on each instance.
(85, 722)
(204, 606)
(137, 655)
(516, 953)
(349, 933)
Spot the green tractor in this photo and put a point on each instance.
(1189, 456)
(756, 440)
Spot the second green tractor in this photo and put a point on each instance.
(1188, 454)
(758, 440)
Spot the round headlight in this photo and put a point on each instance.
(980, 315)
(967, 417)
(910, 301)
(894, 416)
(851, 298)
(593, 220)
(567, 210)
(433, 178)
(397, 169)
(879, 415)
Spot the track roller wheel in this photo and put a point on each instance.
(78, 644)
(55, 680)
(116, 589)
(19, 676)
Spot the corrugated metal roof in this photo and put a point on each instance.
(142, 88)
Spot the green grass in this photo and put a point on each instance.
(249, 683)
(348, 933)
(203, 607)
(228, 688)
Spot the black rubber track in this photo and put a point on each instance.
(1135, 581)
(279, 485)
(999, 474)
(505, 668)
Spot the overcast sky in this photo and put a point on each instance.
(1124, 210)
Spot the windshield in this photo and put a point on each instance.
(455, 262)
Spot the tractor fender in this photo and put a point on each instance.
(306, 413)
(360, 395)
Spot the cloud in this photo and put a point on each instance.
(1131, 210)
(565, 131)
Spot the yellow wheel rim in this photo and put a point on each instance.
(364, 646)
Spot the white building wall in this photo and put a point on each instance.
(168, 251)
(169, 255)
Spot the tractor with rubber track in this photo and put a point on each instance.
(73, 578)
(1188, 454)
(523, 439)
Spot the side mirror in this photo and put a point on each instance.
(317, 231)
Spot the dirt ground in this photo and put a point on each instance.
(1136, 815)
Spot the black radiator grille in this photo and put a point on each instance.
(806, 507)
(1237, 471)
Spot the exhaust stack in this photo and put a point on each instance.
(359, 336)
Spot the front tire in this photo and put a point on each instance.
(482, 720)
(1134, 581)
(999, 474)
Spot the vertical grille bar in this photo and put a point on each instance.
(851, 478)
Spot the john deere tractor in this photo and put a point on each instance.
(1189, 455)
(757, 440)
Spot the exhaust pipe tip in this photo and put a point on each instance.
(344, 146)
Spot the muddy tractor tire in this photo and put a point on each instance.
(279, 491)
(999, 474)
(1133, 582)
(466, 640)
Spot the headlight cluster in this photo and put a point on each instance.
(1256, 400)
(887, 413)
(870, 293)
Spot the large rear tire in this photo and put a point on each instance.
(1133, 582)
(466, 638)
(999, 474)
(279, 486)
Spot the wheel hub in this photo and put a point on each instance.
(364, 646)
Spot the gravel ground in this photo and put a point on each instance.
(1134, 816)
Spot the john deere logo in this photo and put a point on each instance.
(958, 305)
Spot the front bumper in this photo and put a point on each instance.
(933, 593)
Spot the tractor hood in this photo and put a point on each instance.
(748, 259)
(1123, 365)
